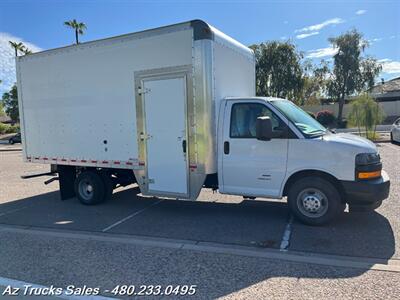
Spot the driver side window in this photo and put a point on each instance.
(244, 117)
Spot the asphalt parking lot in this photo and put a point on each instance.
(59, 232)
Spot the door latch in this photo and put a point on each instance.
(184, 146)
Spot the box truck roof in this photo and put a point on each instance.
(201, 30)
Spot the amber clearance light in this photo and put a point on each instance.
(369, 175)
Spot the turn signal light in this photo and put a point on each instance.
(369, 175)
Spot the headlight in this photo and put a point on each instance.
(364, 159)
(368, 166)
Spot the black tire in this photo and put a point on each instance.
(108, 185)
(391, 138)
(89, 188)
(11, 141)
(314, 201)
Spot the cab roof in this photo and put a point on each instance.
(254, 98)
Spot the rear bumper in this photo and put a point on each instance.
(369, 193)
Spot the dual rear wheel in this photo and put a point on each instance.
(93, 187)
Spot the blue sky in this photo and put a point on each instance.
(307, 23)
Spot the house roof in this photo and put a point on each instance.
(390, 86)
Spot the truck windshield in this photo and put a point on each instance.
(303, 121)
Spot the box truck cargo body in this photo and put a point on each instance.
(144, 101)
(173, 109)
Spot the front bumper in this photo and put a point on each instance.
(368, 193)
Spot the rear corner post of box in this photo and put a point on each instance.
(201, 30)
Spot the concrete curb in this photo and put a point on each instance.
(12, 149)
(377, 264)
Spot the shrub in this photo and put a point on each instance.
(325, 117)
(6, 128)
(365, 113)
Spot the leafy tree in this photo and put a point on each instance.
(10, 100)
(314, 82)
(17, 47)
(366, 113)
(2, 113)
(278, 70)
(78, 27)
(351, 73)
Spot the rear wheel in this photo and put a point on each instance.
(89, 188)
(314, 201)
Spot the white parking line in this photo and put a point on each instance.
(286, 235)
(130, 216)
(27, 286)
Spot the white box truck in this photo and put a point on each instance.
(173, 109)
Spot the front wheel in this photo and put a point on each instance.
(314, 201)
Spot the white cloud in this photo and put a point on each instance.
(322, 52)
(361, 12)
(7, 59)
(373, 41)
(319, 26)
(305, 35)
(390, 66)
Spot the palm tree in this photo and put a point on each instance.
(78, 27)
(17, 47)
(26, 51)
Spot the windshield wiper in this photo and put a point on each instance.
(316, 133)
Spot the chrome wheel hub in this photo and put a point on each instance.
(86, 190)
(312, 203)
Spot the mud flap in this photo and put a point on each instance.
(67, 175)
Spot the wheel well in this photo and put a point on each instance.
(308, 173)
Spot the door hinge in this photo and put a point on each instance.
(142, 91)
(144, 137)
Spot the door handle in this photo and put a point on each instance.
(184, 146)
(226, 147)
